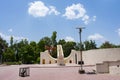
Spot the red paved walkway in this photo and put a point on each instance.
(38, 72)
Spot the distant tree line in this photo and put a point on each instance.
(24, 52)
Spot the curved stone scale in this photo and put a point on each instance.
(90, 57)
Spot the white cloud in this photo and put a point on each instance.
(7, 37)
(118, 31)
(39, 9)
(75, 11)
(96, 36)
(53, 10)
(68, 38)
(94, 18)
(86, 19)
(10, 30)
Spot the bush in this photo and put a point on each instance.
(12, 63)
(38, 60)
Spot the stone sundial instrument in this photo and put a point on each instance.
(60, 55)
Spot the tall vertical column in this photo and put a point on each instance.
(60, 55)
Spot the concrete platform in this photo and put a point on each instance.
(52, 72)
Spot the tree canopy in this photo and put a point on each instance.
(26, 52)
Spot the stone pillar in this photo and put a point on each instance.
(60, 56)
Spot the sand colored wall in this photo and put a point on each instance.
(114, 70)
(46, 58)
(91, 57)
(71, 58)
(60, 56)
(102, 68)
(112, 67)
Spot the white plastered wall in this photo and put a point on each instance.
(90, 57)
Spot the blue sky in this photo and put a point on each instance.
(35, 19)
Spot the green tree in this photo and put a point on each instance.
(11, 41)
(62, 42)
(67, 47)
(107, 44)
(22, 47)
(3, 47)
(77, 46)
(36, 51)
(53, 38)
(49, 44)
(28, 57)
(44, 44)
(118, 46)
(9, 55)
(89, 45)
(16, 51)
(45, 41)
(53, 47)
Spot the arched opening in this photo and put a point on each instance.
(55, 61)
(43, 61)
(75, 58)
(118, 66)
(49, 62)
(70, 61)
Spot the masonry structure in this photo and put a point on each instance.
(102, 58)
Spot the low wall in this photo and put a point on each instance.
(46, 58)
(91, 57)
(112, 67)
(102, 68)
(71, 58)
(114, 70)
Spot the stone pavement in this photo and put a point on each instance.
(52, 72)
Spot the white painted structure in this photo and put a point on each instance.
(112, 67)
(106, 60)
(90, 57)
(60, 55)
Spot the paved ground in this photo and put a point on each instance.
(52, 72)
